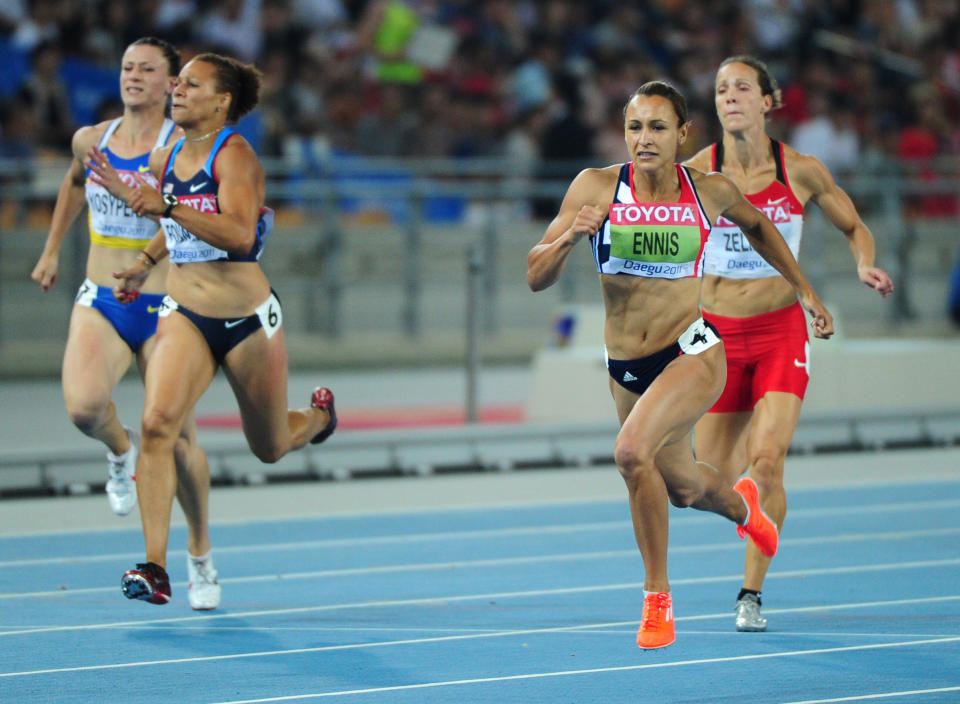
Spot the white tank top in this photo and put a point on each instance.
(728, 252)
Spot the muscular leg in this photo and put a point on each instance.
(193, 488)
(193, 475)
(257, 371)
(94, 360)
(180, 370)
(720, 441)
(774, 420)
(654, 455)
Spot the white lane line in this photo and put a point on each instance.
(879, 695)
(593, 671)
(415, 538)
(472, 635)
(521, 531)
(786, 574)
(508, 561)
(413, 641)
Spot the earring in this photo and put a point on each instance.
(218, 109)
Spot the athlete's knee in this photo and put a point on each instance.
(158, 429)
(633, 457)
(87, 414)
(766, 468)
(269, 453)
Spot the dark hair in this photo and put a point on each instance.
(768, 84)
(242, 81)
(665, 90)
(169, 51)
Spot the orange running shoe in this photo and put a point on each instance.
(656, 627)
(762, 531)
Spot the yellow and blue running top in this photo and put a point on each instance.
(112, 223)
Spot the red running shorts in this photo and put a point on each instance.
(766, 352)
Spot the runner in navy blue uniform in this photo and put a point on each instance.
(220, 310)
(648, 221)
(105, 335)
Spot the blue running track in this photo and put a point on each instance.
(537, 602)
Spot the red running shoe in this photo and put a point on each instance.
(148, 582)
(762, 530)
(656, 627)
(323, 399)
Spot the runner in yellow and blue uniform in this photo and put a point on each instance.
(106, 336)
(648, 222)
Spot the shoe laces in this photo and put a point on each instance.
(653, 611)
(117, 467)
(203, 571)
(749, 604)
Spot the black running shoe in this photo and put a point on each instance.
(322, 398)
(148, 582)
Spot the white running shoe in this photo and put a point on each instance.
(748, 615)
(121, 489)
(203, 591)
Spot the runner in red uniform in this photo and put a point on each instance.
(754, 308)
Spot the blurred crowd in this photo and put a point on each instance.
(865, 83)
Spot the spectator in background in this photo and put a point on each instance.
(38, 25)
(830, 134)
(234, 25)
(17, 152)
(920, 143)
(46, 95)
(388, 130)
(434, 131)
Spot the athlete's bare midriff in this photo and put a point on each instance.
(645, 315)
(104, 262)
(741, 298)
(219, 289)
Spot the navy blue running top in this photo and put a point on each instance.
(200, 193)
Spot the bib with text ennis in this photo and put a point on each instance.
(654, 232)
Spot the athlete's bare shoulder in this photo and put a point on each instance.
(806, 171)
(159, 156)
(717, 192)
(702, 160)
(86, 138)
(175, 134)
(595, 184)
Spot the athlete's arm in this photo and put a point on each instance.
(239, 195)
(130, 280)
(837, 206)
(769, 244)
(70, 201)
(577, 219)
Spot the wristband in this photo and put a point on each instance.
(151, 262)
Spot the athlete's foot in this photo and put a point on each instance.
(656, 627)
(762, 530)
(748, 616)
(120, 488)
(148, 582)
(323, 399)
